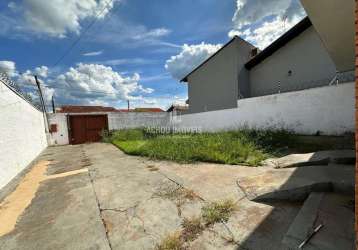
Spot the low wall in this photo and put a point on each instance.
(116, 120)
(137, 119)
(22, 134)
(329, 110)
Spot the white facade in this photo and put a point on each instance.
(328, 110)
(22, 134)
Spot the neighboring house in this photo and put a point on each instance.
(297, 60)
(214, 84)
(178, 108)
(150, 110)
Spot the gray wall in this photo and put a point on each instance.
(215, 85)
(305, 56)
(334, 21)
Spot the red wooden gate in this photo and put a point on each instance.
(87, 128)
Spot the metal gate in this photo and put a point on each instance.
(87, 128)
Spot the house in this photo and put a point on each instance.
(214, 84)
(297, 60)
(150, 110)
(153, 110)
(178, 108)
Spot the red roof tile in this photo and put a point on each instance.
(85, 109)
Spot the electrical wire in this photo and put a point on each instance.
(81, 35)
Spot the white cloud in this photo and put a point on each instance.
(130, 35)
(189, 58)
(263, 21)
(154, 33)
(92, 81)
(85, 84)
(8, 67)
(41, 71)
(58, 17)
(127, 61)
(94, 53)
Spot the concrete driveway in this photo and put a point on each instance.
(94, 196)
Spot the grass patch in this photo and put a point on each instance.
(248, 147)
(218, 212)
(171, 242)
(192, 228)
(239, 147)
(175, 193)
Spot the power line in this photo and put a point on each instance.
(101, 92)
(81, 35)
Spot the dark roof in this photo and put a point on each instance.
(85, 109)
(178, 108)
(154, 110)
(185, 79)
(150, 110)
(280, 42)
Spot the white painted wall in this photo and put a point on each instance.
(327, 109)
(137, 120)
(22, 134)
(61, 136)
(116, 121)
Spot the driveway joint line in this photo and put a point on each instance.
(98, 205)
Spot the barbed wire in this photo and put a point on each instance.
(5, 79)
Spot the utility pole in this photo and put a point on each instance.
(42, 103)
(53, 105)
(128, 104)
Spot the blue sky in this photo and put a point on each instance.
(135, 49)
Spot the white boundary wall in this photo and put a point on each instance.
(329, 110)
(138, 119)
(22, 134)
(116, 120)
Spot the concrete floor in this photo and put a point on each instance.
(94, 196)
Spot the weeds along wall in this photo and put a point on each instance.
(22, 134)
(326, 110)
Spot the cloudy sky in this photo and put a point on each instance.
(105, 52)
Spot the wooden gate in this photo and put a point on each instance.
(87, 128)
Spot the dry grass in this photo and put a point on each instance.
(176, 193)
(152, 168)
(171, 242)
(218, 211)
(192, 228)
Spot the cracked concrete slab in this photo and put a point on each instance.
(126, 202)
(63, 211)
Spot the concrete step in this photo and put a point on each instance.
(335, 212)
(295, 184)
(313, 159)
